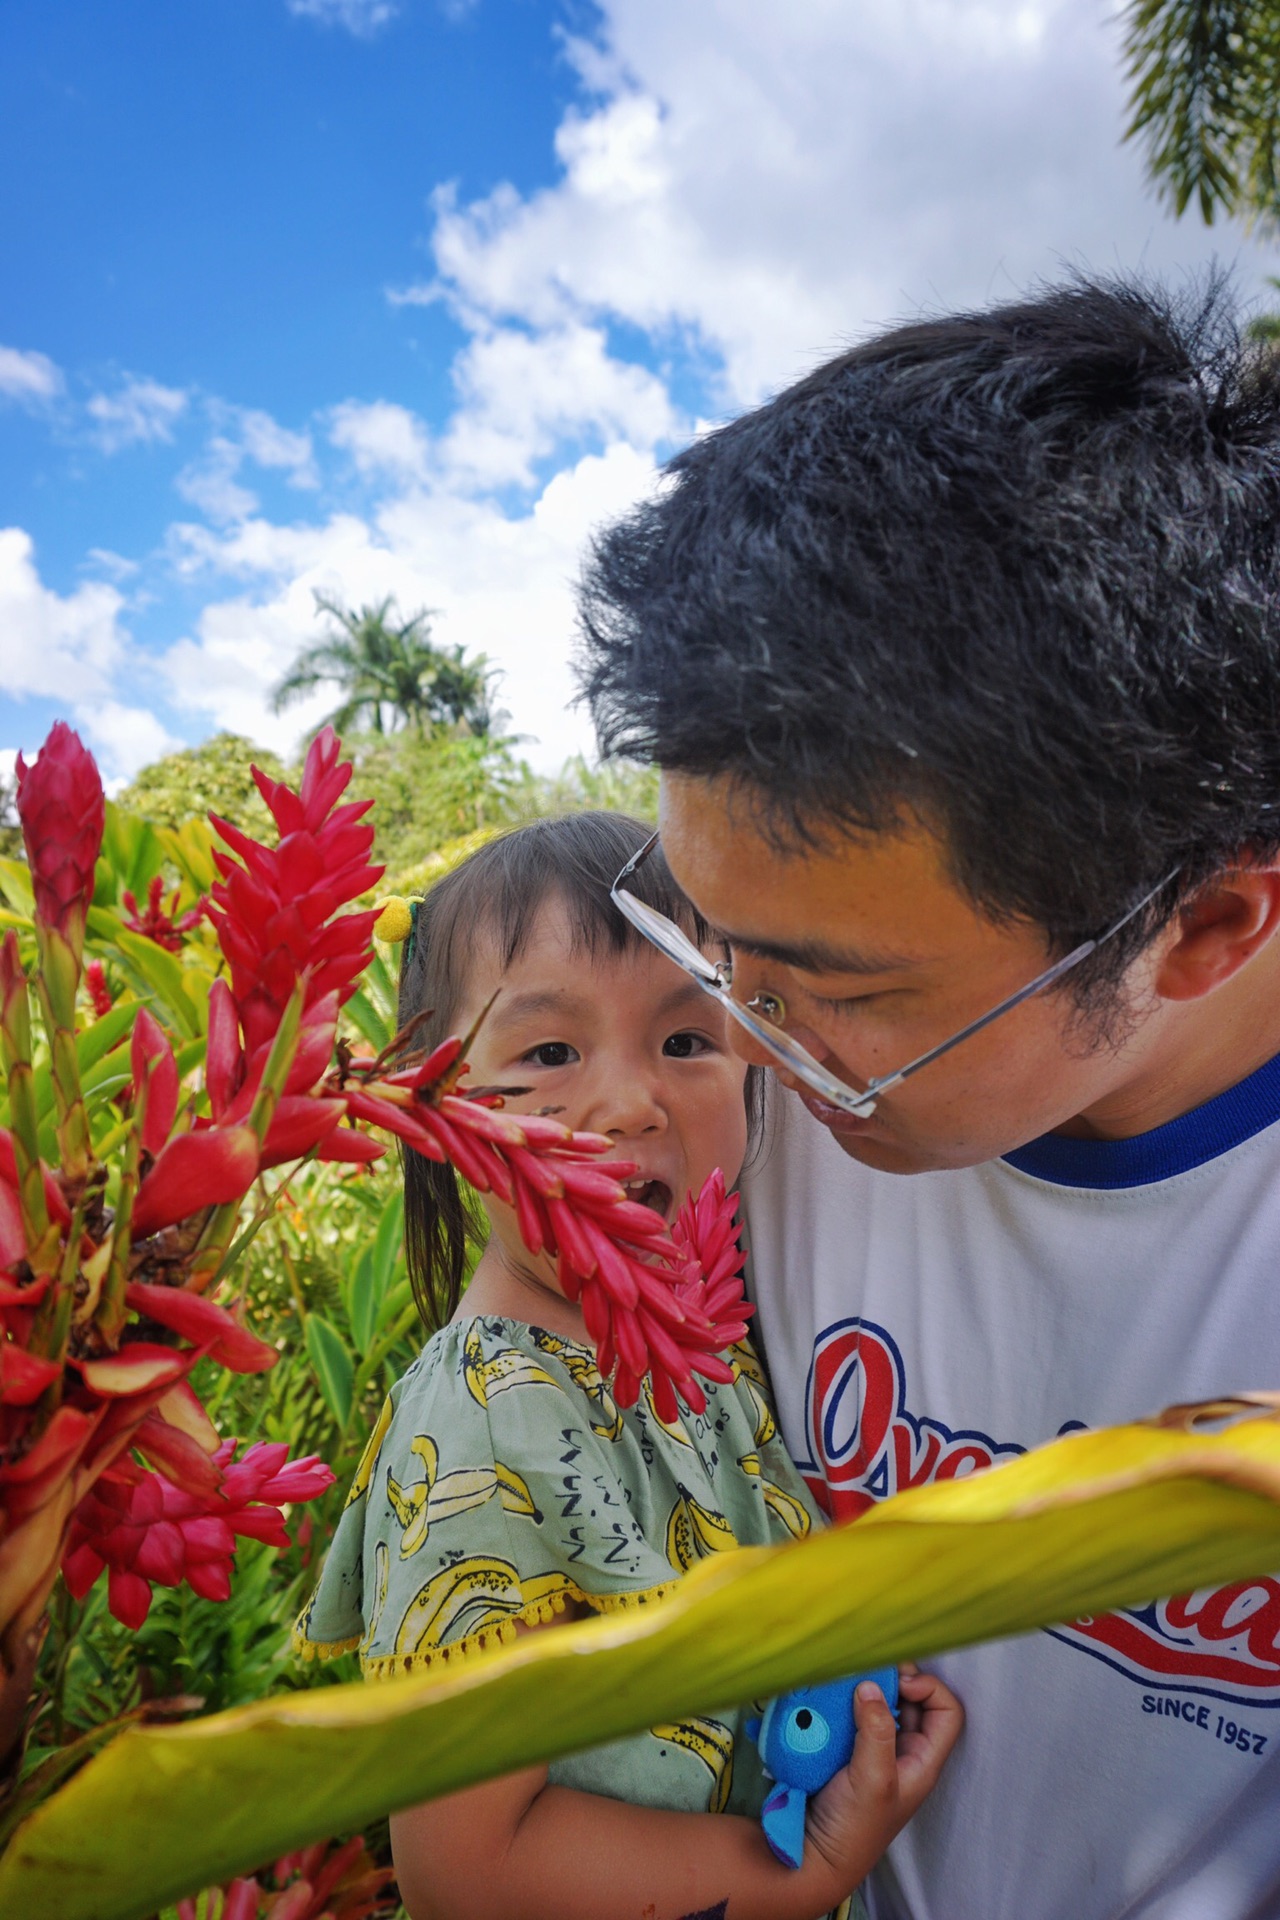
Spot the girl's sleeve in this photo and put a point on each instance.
(495, 1491)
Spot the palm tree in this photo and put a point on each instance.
(1205, 98)
(390, 673)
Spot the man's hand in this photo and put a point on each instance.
(856, 1815)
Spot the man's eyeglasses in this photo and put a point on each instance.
(763, 1014)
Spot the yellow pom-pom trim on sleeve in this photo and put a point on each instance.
(395, 922)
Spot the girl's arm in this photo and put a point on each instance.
(519, 1849)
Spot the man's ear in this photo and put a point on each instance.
(1218, 930)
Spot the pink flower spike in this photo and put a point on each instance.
(62, 809)
(195, 1170)
(151, 1061)
(129, 1597)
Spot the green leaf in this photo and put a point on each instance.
(373, 1274)
(155, 973)
(1091, 1522)
(332, 1364)
(190, 847)
(15, 884)
(132, 850)
(370, 1021)
(92, 1046)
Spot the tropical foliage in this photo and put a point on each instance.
(189, 785)
(1205, 101)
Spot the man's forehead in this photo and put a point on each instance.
(865, 903)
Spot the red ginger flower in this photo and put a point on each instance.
(144, 1530)
(157, 921)
(327, 1881)
(653, 1302)
(60, 804)
(274, 911)
(95, 980)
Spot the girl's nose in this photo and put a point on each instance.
(630, 1106)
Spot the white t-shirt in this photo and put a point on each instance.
(920, 1327)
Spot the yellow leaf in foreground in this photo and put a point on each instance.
(1090, 1522)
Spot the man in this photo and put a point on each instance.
(962, 662)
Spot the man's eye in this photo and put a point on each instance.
(551, 1053)
(684, 1046)
(851, 1003)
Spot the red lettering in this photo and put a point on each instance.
(837, 1365)
(912, 1469)
(965, 1458)
(1220, 1616)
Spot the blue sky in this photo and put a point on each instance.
(405, 296)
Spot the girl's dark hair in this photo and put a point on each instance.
(497, 893)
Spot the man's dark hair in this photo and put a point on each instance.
(1013, 572)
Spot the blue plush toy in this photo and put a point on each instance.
(804, 1739)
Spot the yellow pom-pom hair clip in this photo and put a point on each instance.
(397, 921)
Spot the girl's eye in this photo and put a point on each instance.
(684, 1046)
(552, 1053)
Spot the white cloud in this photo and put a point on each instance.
(29, 378)
(502, 584)
(212, 482)
(141, 411)
(123, 738)
(268, 444)
(522, 394)
(52, 645)
(361, 17)
(384, 440)
(773, 180)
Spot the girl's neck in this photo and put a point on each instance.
(508, 1289)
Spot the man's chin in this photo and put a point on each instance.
(871, 1145)
(886, 1156)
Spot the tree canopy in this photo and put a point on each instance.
(197, 780)
(390, 673)
(1205, 101)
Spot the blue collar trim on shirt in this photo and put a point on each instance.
(1189, 1141)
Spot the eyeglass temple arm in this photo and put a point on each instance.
(1040, 984)
(641, 854)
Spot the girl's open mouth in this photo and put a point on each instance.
(651, 1193)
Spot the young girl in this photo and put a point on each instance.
(503, 1489)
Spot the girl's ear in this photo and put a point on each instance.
(1218, 930)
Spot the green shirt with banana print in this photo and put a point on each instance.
(502, 1483)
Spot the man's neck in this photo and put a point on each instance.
(1185, 1052)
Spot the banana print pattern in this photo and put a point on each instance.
(792, 1512)
(469, 1598)
(443, 1496)
(586, 1376)
(712, 1741)
(694, 1531)
(499, 1372)
(503, 1485)
(369, 1458)
(750, 1375)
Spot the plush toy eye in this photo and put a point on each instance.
(807, 1731)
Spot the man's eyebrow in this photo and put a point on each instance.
(818, 956)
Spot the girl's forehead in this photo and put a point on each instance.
(557, 966)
